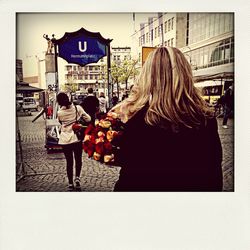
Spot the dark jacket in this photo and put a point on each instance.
(90, 104)
(229, 98)
(158, 159)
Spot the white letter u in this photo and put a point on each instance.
(80, 46)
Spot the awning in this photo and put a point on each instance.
(220, 76)
(25, 87)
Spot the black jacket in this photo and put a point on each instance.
(158, 159)
(90, 104)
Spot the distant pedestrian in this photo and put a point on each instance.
(67, 115)
(102, 104)
(125, 95)
(170, 140)
(114, 100)
(91, 105)
(228, 105)
(49, 112)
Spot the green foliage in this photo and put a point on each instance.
(122, 71)
(71, 86)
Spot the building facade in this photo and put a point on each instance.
(207, 40)
(119, 54)
(210, 42)
(94, 75)
(210, 50)
(163, 29)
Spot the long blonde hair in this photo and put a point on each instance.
(166, 84)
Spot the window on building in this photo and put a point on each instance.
(169, 24)
(80, 77)
(232, 49)
(205, 57)
(74, 68)
(68, 67)
(165, 27)
(75, 77)
(214, 54)
(86, 77)
(91, 68)
(143, 39)
(217, 23)
(152, 35)
(147, 37)
(222, 23)
(114, 58)
(91, 77)
(172, 23)
(172, 42)
(156, 32)
(159, 30)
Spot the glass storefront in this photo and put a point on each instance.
(214, 54)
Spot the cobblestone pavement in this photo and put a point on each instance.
(47, 172)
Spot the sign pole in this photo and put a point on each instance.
(56, 66)
(109, 75)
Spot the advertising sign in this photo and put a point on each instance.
(145, 53)
(82, 47)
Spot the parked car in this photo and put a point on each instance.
(29, 103)
(19, 100)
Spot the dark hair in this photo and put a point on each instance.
(63, 99)
(90, 90)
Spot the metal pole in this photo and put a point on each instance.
(56, 70)
(109, 75)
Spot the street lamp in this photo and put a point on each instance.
(39, 70)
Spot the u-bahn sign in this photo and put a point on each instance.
(82, 47)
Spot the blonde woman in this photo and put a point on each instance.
(170, 142)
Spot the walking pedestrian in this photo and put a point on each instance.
(91, 104)
(170, 141)
(114, 100)
(228, 105)
(102, 104)
(72, 146)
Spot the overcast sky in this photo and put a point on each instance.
(32, 26)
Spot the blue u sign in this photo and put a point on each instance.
(82, 47)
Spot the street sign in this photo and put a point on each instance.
(82, 47)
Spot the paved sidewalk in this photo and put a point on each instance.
(46, 172)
